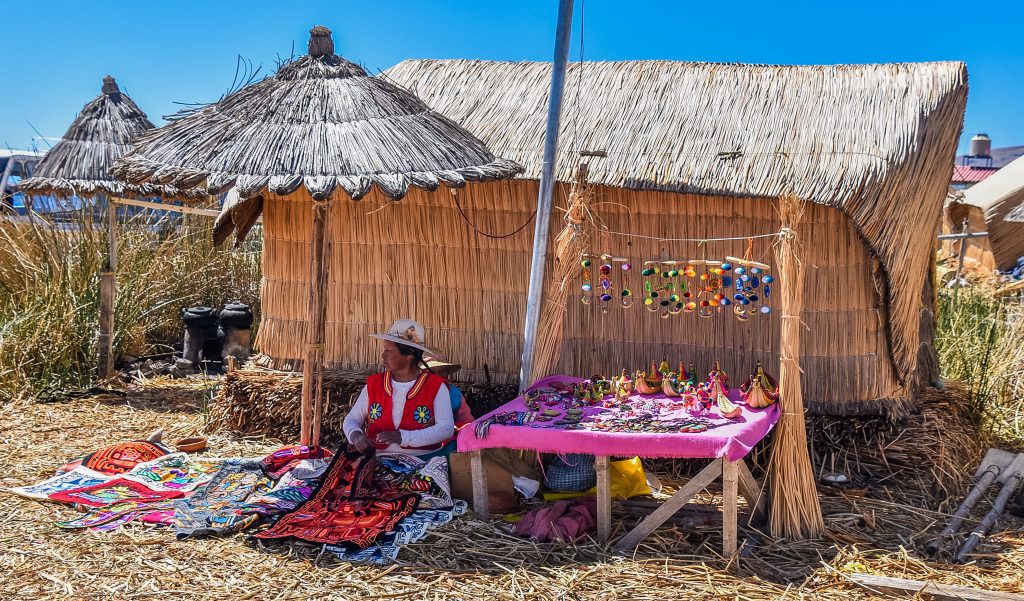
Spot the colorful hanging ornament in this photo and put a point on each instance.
(586, 281)
(626, 295)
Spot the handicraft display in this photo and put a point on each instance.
(671, 287)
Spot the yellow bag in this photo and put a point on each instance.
(626, 477)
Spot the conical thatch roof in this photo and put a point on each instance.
(103, 131)
(319, 122)
(875, 141)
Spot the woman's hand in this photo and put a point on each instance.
(390, 437)
(361, 442)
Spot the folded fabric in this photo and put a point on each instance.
(284, 459)
(114, 516)
(409, 530)
(80, 477)
(122, 457)
(174, 472)
(113, 491)
(349, 506)
(217, 507)
(561, 521)
(428, 479)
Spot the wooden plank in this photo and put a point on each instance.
(481, 502)
(165, 207)
(729, 509)
(312, 366)
(752, 492)
(108, 295)
(604, 499)
(930, 590)
(669, 507)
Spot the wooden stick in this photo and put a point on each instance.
(1004, 496)
(668, 508)
(933, 590)
(729, 509)
(159, 206)
(312, 368)
(751, 491)
(481, 503)
(604, 499)
(965, 508)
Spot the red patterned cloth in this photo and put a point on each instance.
(114, 491)
(350, 506)
(120, 458)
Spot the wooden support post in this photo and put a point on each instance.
(729, 510)
(668, 508)
(604, 499)
(751, 491)
(312, 367)
(481, 502)
(108, 295)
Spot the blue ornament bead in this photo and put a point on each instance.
(753, 298)
(754, 282)
(726, 266)
(726, 281)
(726, 302)
(755, 270)
(740, 271)
(587, 287)
(745, 277)
(767, 291)
(766, 310)
(744, 301)
(606, 297)
(739, 297)
(768, 279)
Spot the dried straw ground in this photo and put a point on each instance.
(466, 560)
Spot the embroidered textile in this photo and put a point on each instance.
(80, 477)
(113, 491)
(215, 509)
(172, 472)
(120, 458)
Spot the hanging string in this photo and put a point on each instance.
(465, 218)
(778, 234)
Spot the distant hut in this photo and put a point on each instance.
(998, 197)
(978, 254)
(79, 164)
(295, 146)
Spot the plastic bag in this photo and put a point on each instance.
(626, 478)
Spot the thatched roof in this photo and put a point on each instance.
(79, 164)
(320, 122)
(876, 141)
(1001, 196)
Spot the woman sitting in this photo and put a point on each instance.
(405, 409)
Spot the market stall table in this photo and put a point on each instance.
(632, 431)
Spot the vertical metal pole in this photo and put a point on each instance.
(963, 252)
(542, 228)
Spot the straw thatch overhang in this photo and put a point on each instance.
(1000, 197)
(102, 132)
(322, 123)
(875, 141)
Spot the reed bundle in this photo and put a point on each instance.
(795, 512)
(79, 164)
(320, 123)
(1001, 197)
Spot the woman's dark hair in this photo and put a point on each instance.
(416, 354)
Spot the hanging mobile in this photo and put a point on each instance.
(605, 281)
(626, 294)
(586, 285)
(650, 292)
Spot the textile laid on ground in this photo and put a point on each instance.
(350, 506)
(214, 509)
(244, 493)
(428, 479)
(113, 491)
(561, 521)
(409, 530)
(171, 475)
(80, 477)
(122, 457)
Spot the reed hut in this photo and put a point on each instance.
(79, 164)
(690, 151)
(295, 146)
(956, 215)
(999, 197)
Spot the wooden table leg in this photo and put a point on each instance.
(729, 513)
(481, 502)
(670, 507)
(751, 491)
(604, 499)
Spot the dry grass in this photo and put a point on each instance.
(466, 560)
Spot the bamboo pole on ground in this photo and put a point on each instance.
(108, 295)
(795, 512)
(312, 368)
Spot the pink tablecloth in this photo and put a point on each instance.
(730, 438)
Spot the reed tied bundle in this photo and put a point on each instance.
(795, 511)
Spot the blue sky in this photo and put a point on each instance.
(55, 53)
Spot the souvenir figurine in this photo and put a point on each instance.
(729, 409)
(670, 387)
(624, 382)
(717, 382)
(760, 390)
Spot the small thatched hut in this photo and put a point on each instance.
(978, 255)
(296, 146)
(998, 196)
(79, 164)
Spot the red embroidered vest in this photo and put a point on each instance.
(419, 406)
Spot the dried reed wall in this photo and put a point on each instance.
(979, 250)
(419, 258)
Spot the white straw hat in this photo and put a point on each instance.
(409, 333)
